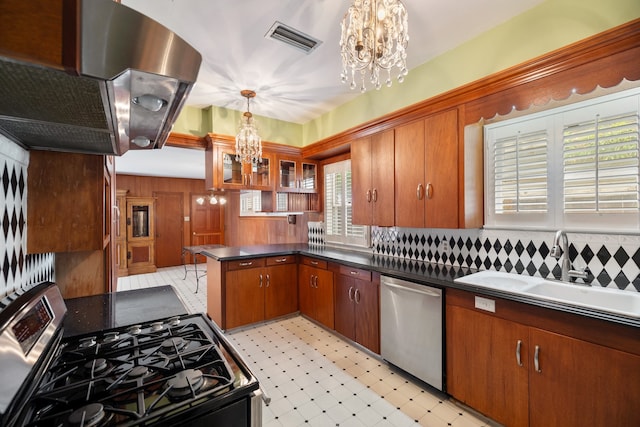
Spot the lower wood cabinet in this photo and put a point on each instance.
(248, 291)
(315, 285)
(529, 366)
(357, 305)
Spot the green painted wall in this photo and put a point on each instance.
(549, 26)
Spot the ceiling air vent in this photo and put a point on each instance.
(292, 37)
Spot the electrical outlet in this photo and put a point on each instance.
(445, 247)
(485, 304)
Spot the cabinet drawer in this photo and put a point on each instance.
(314, 262)
(284, 259)
(242, 264)
(355, 273)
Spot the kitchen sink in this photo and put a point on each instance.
(499, 280)
(614, 301)
(609, 300)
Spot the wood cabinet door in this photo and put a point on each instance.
(244, 297)
(441, 174)
(482, 367)
(367, 314)
(305, 290)
(361, 184)
(323, 297)
(409, 158)
(382, 178)
(582, 384)
(281, 290)
(345, 320)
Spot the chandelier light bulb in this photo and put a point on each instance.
(374, 39)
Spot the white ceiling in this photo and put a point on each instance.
(291, 85)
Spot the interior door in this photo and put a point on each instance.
(207, 222)
(169, 228)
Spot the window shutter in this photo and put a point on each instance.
(520, 173)
(338, 207)
(601, 165)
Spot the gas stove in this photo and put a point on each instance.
(167, 372)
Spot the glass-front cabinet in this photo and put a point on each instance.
(237, 175)
(296, 175)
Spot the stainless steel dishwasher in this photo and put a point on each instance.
(411, 328)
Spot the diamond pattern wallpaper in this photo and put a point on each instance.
(18, 271)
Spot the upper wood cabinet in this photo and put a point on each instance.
(236, 175)
(426, 172)
(372, 179)
(296, 175)
(69, 212)
(65, 202)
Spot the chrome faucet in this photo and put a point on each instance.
(557, 252)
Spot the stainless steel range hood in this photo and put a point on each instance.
(121, 79)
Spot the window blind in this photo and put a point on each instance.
(601, 165)
(339, 209)
(520, 173)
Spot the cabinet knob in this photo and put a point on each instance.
(419, 192)
(368, 196)
(350, 293)
(429, 191)
(536, 359)
(260, 281)
(356, 296)
(375, 194)
(268, 280)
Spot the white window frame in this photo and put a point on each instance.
(554, 121)
(347, 233)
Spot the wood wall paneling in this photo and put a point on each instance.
(146, 186)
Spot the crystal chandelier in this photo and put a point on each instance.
(374, 38)
(248, 142)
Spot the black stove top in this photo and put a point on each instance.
(164, 372)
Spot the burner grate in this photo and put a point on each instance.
(131, 377)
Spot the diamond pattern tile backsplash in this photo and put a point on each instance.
(18, 271)
(612, 260)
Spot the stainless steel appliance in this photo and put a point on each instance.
(97, 77)
(178, 371)
(411, 328)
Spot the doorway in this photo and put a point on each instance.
(207, 222)
(169, 228)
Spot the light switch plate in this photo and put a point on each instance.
(485, 304)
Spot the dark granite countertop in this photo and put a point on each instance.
(106, 311)
(416, 271)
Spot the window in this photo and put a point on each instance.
(575, 167)
(338, 208)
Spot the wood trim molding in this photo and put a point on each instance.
(183, 140)
(604, 59)
(272, 147)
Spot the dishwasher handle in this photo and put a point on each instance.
(417, 291)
